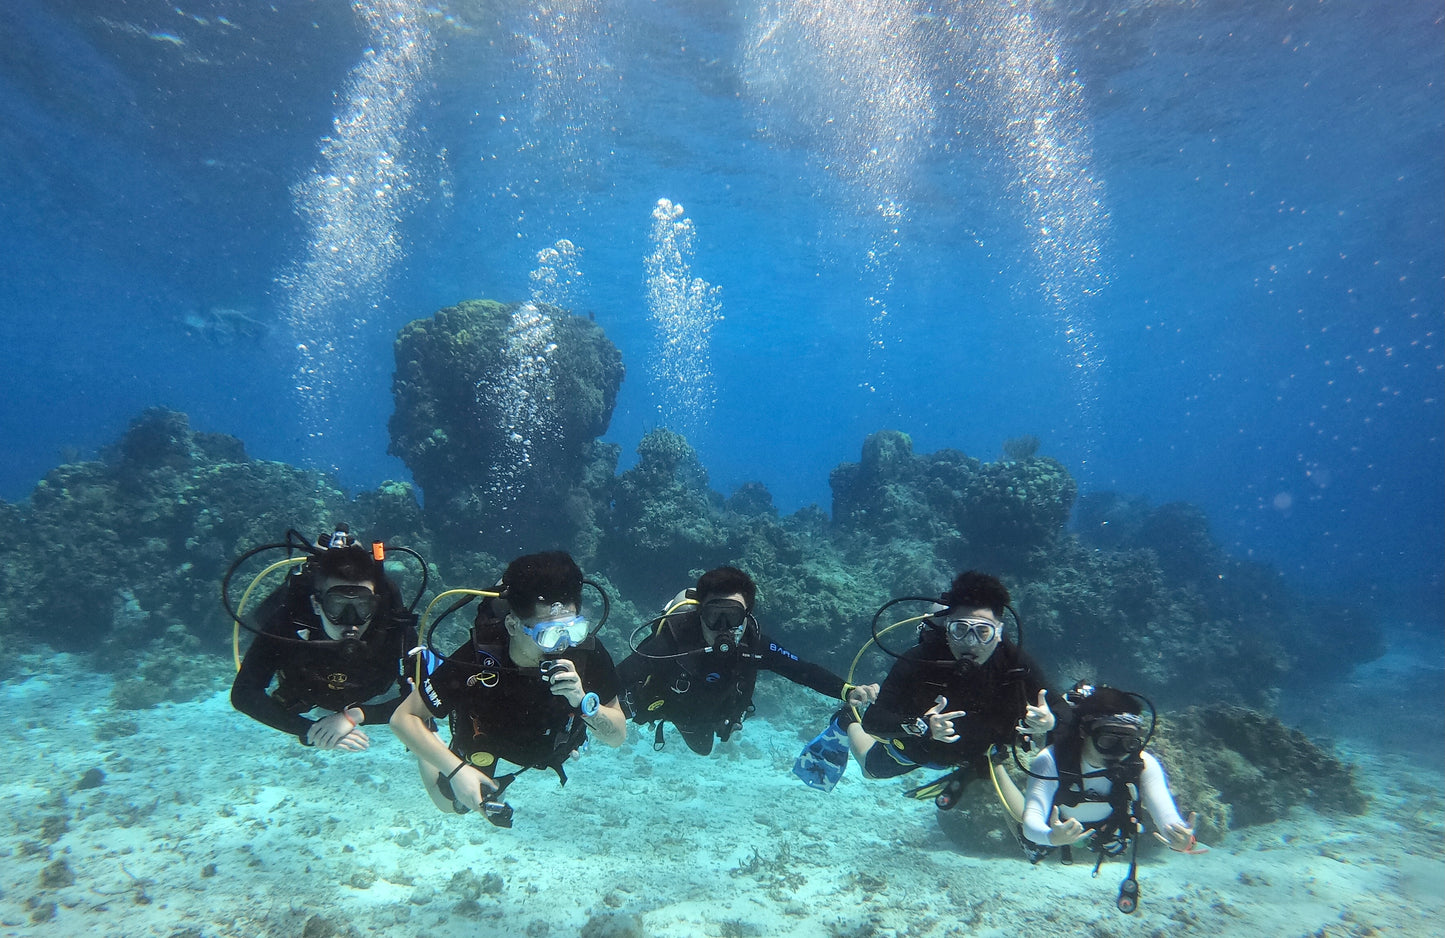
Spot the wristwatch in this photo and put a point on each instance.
(590, 704)
(918, 727)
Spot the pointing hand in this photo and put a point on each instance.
(940, 723)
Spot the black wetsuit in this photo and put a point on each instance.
(707, 693)
(500, 711)
(318, 672)
(995, 696)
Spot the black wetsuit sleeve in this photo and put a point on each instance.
(444, 688)
(895, 705)
(248, 690)
(779, 660)
(378, 713)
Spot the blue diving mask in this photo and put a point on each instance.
(558, 630)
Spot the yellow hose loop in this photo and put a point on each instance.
(853, 668)
(426, 614)
(662, 619)
(993, 777)
(236, 626)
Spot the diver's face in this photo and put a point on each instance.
(722, 614)
(973, 634)
(345, 607)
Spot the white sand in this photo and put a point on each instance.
(210, 825)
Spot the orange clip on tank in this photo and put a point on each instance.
(378, 551)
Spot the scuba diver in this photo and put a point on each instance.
(334, 636)
(698, 668)
(956, 699)
(1091, 782)
(525, 689)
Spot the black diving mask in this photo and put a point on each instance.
(1117, 736)
(724, 615)
(350, 607)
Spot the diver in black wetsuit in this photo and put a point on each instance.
(334, 636)
(698, 668)
(526, 689)
(960, 691)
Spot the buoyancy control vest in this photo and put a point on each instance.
(500, 687)
(1113, 832)
(701, 687)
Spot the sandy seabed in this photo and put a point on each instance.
(207, 825)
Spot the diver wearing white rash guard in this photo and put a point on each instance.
(1077, 784)
(1039, 797)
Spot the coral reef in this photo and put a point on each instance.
(1259, 766)
(665, 526)
(1238, 625)
(122, 551)
(996, 516)
(500, 434)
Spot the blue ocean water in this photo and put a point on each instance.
(1195, 246)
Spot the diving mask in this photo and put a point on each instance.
(1118, 735)
(559, 630)
(350, 607)
(972, 631)
(723, 615)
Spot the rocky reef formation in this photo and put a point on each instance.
(665, 527)
(1105, 611)
(124, 555)
(1238, 625)
(665, 523)
(143, 534)
(498, 411)
(1260, 767)
(1002, 515)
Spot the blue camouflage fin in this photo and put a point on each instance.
(822, 762)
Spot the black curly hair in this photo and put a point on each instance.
(347, 563)
(354, 564)
(974, 590)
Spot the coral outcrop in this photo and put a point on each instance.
(498, 410)
(1237, 623)
(124, 549)
(997, 516)
(1237, 766)
(665, 523)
